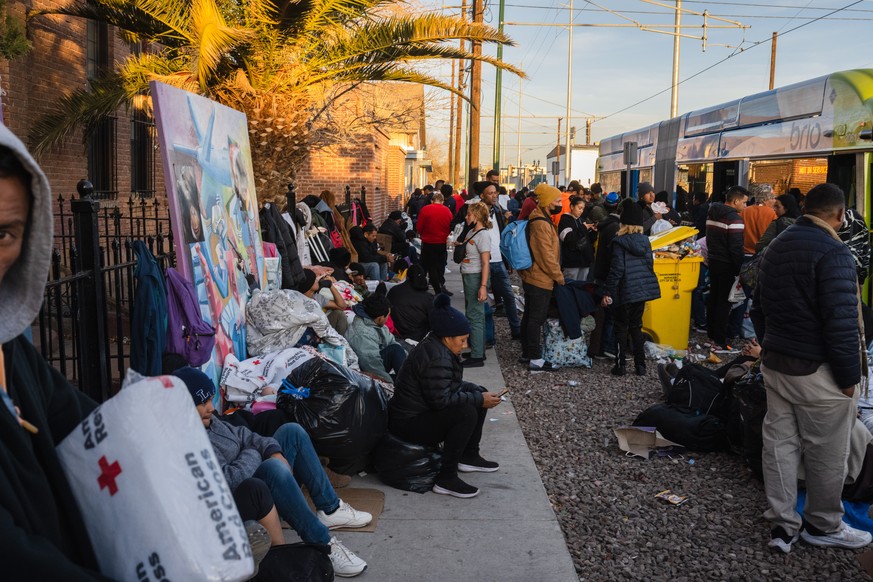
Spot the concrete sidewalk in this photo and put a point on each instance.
(507, 533)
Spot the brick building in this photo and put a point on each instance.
(122, 158)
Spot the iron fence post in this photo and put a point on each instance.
(291, 198)
(91, 318)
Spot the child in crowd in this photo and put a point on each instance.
(378, 352)
(630, 283)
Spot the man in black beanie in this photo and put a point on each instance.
(395, 227)
(411, 303)
(432, 404)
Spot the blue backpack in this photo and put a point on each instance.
(515, 244)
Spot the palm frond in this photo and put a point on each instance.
(174, 14)
(83, 108)
(124, 15)
(260, 13)
(326, 13)
(213, 38)
(138, 70)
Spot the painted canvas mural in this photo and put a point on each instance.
(213, 209)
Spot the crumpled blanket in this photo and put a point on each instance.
(276, 320)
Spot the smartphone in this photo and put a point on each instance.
(502, 393)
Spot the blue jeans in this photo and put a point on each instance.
(698, 298)
(393, 357)
(375, 271)
(475, 312)
(289, 500)
(502, 288)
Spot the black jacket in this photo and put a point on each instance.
(368, 252)
(431, 379)
(805, 304)
(409, 310)
(399, 245)
(577, 243)
(41, 528)
(699, 213)
(632, 276)
(415, 204)
(724, 237)
(575, 300)
(606, 230)
(648, 217)
(275, 230)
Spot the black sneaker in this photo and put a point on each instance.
(476, 464)
(780, 540)
(473, 363)
(640, 369)
(546, 367)
(447, 292)
(523, 360)
(467, 355)
(618, 370)
(455, 487)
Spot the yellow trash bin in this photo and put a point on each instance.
(668, 319)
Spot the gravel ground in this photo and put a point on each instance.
(605, 501)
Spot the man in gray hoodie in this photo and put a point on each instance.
(41, 528)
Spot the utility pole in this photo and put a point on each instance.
(558, 149)
(498, 97)
(773, 61)
(459, 109)
(588, 131)
(451, 151)
(518, 139)
(568, 163)
(674, 95)
(475, 99)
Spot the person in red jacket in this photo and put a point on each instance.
(433, 226)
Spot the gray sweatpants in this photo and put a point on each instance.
(808, 421)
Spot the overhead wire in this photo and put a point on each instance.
(727, 58)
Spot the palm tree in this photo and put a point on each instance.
(282, 63)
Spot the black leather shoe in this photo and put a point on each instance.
(618, 370)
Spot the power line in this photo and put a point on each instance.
(727, 58)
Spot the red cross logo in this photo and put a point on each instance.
(108, 473)
(256, 362)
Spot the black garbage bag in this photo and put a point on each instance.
(406, 466)
(345, 413)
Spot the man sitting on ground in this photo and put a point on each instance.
(378, 352)
(411, 303)
(369, 256)
(279, 462)
(340, 258)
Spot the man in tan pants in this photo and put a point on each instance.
(806, 310)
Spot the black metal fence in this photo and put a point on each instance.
(83, 329)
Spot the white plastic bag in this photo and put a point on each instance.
(737, 294)
(244, 380)
(152, 494)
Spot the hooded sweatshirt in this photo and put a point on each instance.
(368, 340)
(40, 523)
(632, 276)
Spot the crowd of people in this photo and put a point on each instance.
(379, 294)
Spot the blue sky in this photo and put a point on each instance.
(614, 68)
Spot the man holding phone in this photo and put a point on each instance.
(335, 307)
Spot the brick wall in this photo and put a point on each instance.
(373, 164)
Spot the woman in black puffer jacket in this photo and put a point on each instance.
(432, 404)
(630, 283)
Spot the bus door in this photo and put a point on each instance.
(841, 171)
(725, 175)
(635, 181)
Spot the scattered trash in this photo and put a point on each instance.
(573, 383)
(640, 441)
(528, 392)
(657, 351)
(492, 419)
(713, 359)
(672, 498)
(690, 461)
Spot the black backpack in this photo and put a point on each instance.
(751, 397)
(300, 562)
(698, 389)
(698, 432)
(460, 252)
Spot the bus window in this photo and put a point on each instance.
(782, 175)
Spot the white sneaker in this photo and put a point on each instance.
(847, 537)
(345, 563)
(344, 516)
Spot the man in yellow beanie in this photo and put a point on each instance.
(540, 279)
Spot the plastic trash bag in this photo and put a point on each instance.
(151, 491)
(662, 351)
(406, 466)
(345, 414)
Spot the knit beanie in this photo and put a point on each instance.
(632, 215)
(644, 188)
(307, 282)
(198, 383)
(546, 194)
(445, 320)
(611, 199)
(395, 215)
(376, 305)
